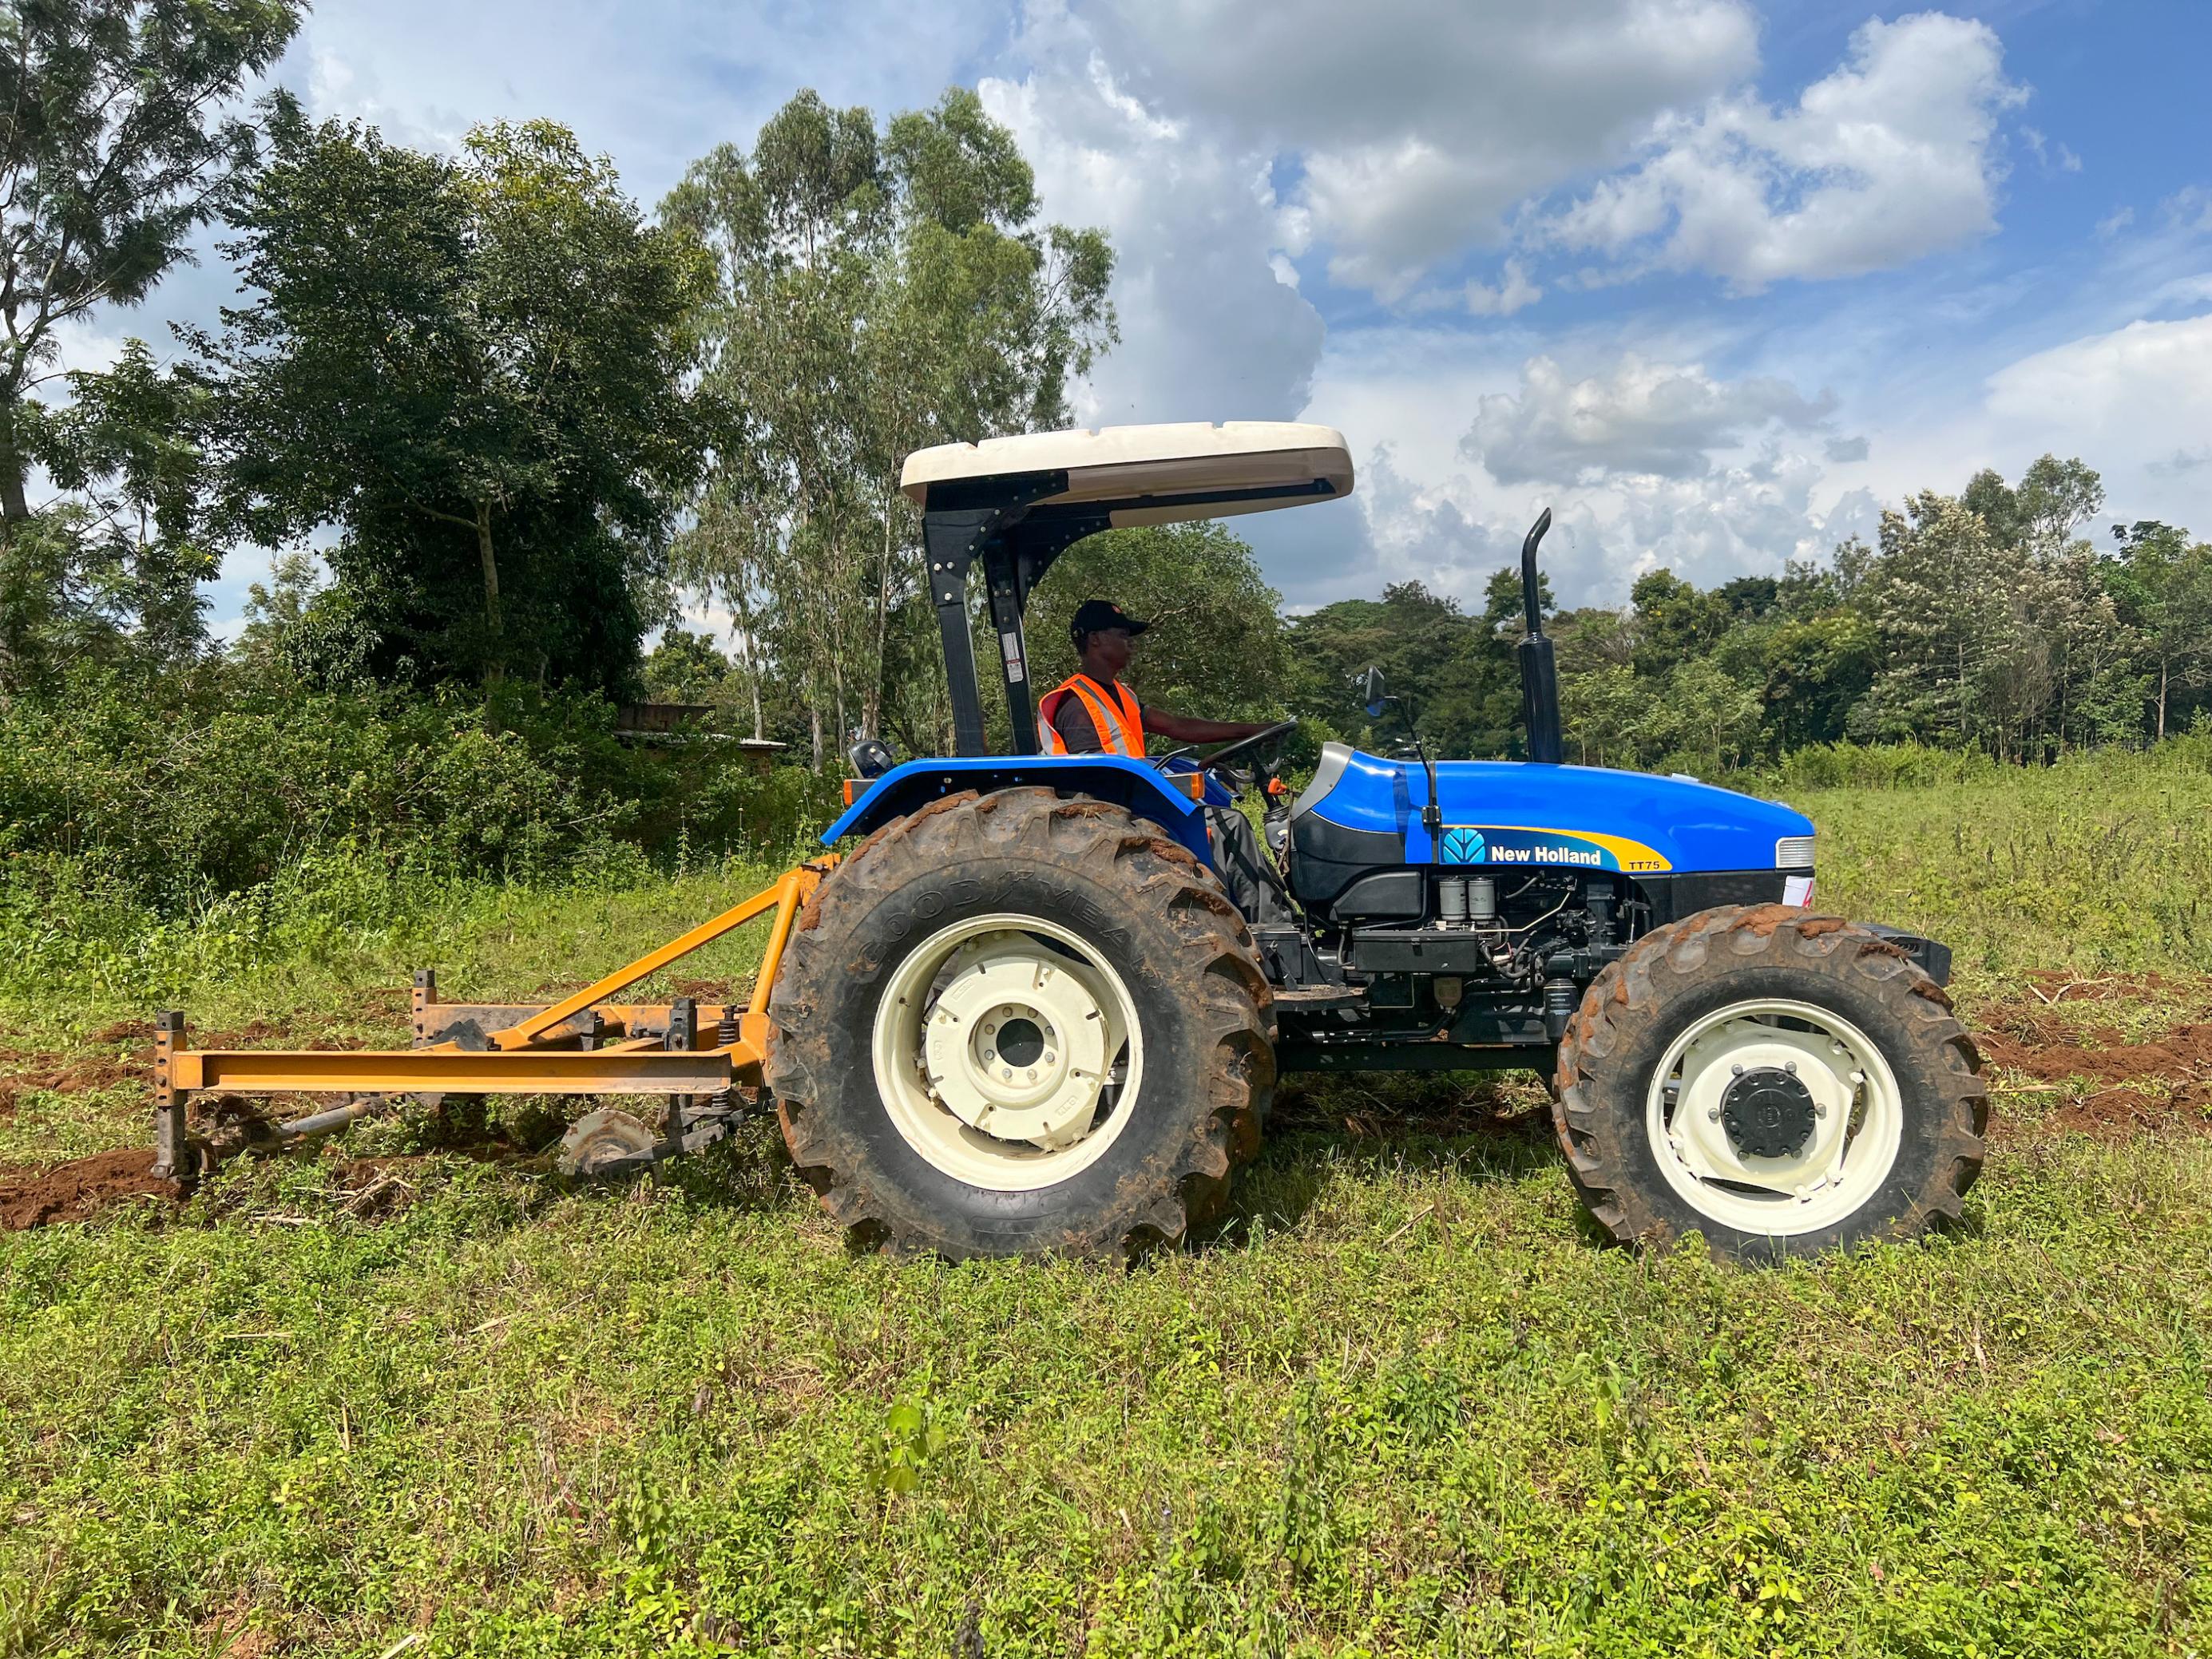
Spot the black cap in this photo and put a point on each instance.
(1097, 616)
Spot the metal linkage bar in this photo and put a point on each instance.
(784, 898)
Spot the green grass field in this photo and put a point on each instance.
(1401, 1402)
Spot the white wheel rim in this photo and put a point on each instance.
(1857, 1131)
(1049, 1102)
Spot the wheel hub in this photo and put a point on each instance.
(1015, 1046)
(1767, 1113)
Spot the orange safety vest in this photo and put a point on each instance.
(1113, 717)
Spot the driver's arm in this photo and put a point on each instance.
(1183, 728)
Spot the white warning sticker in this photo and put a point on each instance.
(1012, 645)
(1797, 891)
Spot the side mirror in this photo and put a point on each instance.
(871, 757)
(1368, 683)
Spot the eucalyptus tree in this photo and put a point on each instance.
(877, 290)
(110, 570)
(474, 366)
(2161, 583)
(120, 138)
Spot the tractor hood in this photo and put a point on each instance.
(1527, 817)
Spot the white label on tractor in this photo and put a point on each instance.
(1012, 645)
(1797, 891)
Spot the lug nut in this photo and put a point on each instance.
(1047, 1056)
(1735, 1071)
(1033, 1075)
(988, 1056)
(1790, 1066)
(1008, 1074)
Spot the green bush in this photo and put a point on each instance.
(153, 837)
(224, 781)
(1876, 766)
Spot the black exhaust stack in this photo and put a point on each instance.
(1540, 675)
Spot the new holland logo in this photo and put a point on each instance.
(1464, 846)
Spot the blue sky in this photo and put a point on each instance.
(1713, 281)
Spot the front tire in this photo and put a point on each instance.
(1783, 1083)
(1015, 1024)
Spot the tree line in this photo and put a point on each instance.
(2007, 618)
(492, 424)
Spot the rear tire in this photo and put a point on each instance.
(1125, 984)
(1783, 1083)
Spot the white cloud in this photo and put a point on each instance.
(1886, 160)
(1642, 462)
(1514, 290)
(656, 82)
(2120, 400)
(1451, 532)
(348, 86)
(1212, 325)
(1421, 531)
(2051, 156)
(1642, 418)
(2189, 208)
(1418, 125)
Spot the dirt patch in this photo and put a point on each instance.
(2107, 1086)
(2182, 1056)
(79, 1190)
(26, 1072)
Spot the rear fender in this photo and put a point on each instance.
(1134, 784)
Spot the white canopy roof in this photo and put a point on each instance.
(1164, 463)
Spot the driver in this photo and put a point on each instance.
(1093, 713)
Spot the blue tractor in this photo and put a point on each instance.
(1024, 1016)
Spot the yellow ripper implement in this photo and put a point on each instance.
(583, 1044)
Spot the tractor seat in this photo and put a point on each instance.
(1345, 826)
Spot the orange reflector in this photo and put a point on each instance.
(854, 789)
(1191, 783)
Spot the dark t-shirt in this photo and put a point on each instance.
(1076, 729)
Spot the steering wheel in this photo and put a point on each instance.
(1274, 733)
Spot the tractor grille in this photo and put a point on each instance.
(1794, 853)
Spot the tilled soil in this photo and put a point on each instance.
(80, 1190)
(2110, 1085)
